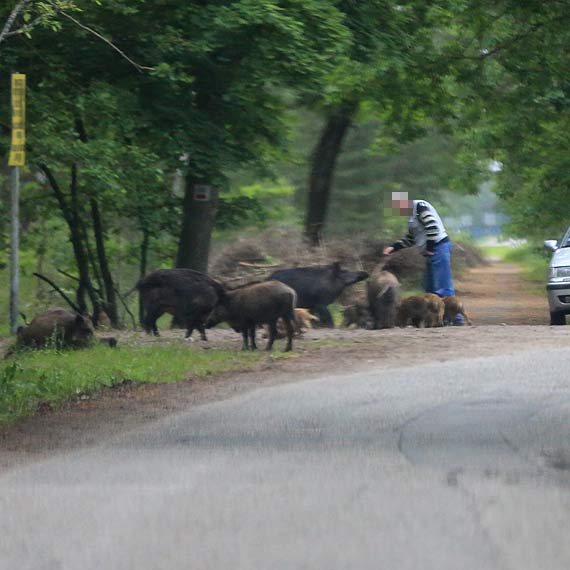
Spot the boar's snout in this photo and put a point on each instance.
(218, 315)
(83, 330)
(352, 277)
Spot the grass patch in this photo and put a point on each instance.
(337, 313)
(533, 262)
(499, 252)
(51, 377)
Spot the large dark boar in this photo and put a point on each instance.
(188, 295)
(383, 298)
(59, 327)
(319, 286)
(259, 303)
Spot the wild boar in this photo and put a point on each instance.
(303, 320)
(59, 327)
(188, 295)
(383, 298)
(255, 304)
(319, 286)
(413, 309)
(357, 314)
(453, 307)
(436, 308)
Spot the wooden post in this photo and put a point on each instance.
(14, 247)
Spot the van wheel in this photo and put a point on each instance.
(557, 319)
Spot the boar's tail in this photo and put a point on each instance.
(388, 294)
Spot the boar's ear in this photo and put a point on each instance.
(336, 267)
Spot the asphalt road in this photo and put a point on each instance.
(456, 465)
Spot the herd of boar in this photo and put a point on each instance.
(287, 302)
(382, 307)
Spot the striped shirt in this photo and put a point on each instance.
(425, 228)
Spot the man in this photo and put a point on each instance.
(426, 230)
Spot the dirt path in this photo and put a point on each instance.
(493, 294)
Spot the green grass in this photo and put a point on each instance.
(534, 264)
(496, 251)
(51, 377)
(532, 260)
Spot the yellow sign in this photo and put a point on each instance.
(18, 147)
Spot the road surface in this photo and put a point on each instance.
(456, 465)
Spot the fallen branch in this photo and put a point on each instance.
(258, 265)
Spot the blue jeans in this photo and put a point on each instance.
(438, 278)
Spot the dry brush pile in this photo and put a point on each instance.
(252, 258)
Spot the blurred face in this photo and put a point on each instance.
(402, 206)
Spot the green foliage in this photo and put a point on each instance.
(509, 61)
(213, 91)
(534, 263)
(20, 19)
(367, 173)
(51, 377)
(257, 204)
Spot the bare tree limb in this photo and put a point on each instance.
(138, 67)
(58, 289)
(126, 307)
(258, 265)
(68, 275)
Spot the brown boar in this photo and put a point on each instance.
(383, 298)
(357, 314)
(435, 308)
(453, 307)
(59, 327)
(255, 304)
(413, 310)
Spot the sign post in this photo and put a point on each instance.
(17, 159)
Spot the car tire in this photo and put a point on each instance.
(557, 319)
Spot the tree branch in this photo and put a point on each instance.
(138, 67)
(126, 307)
(6, 30)
(58, 289)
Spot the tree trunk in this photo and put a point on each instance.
(199, 213)
(323, 163)
(81, 257)
(142, 268)
(110, 297)
(70, 212)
